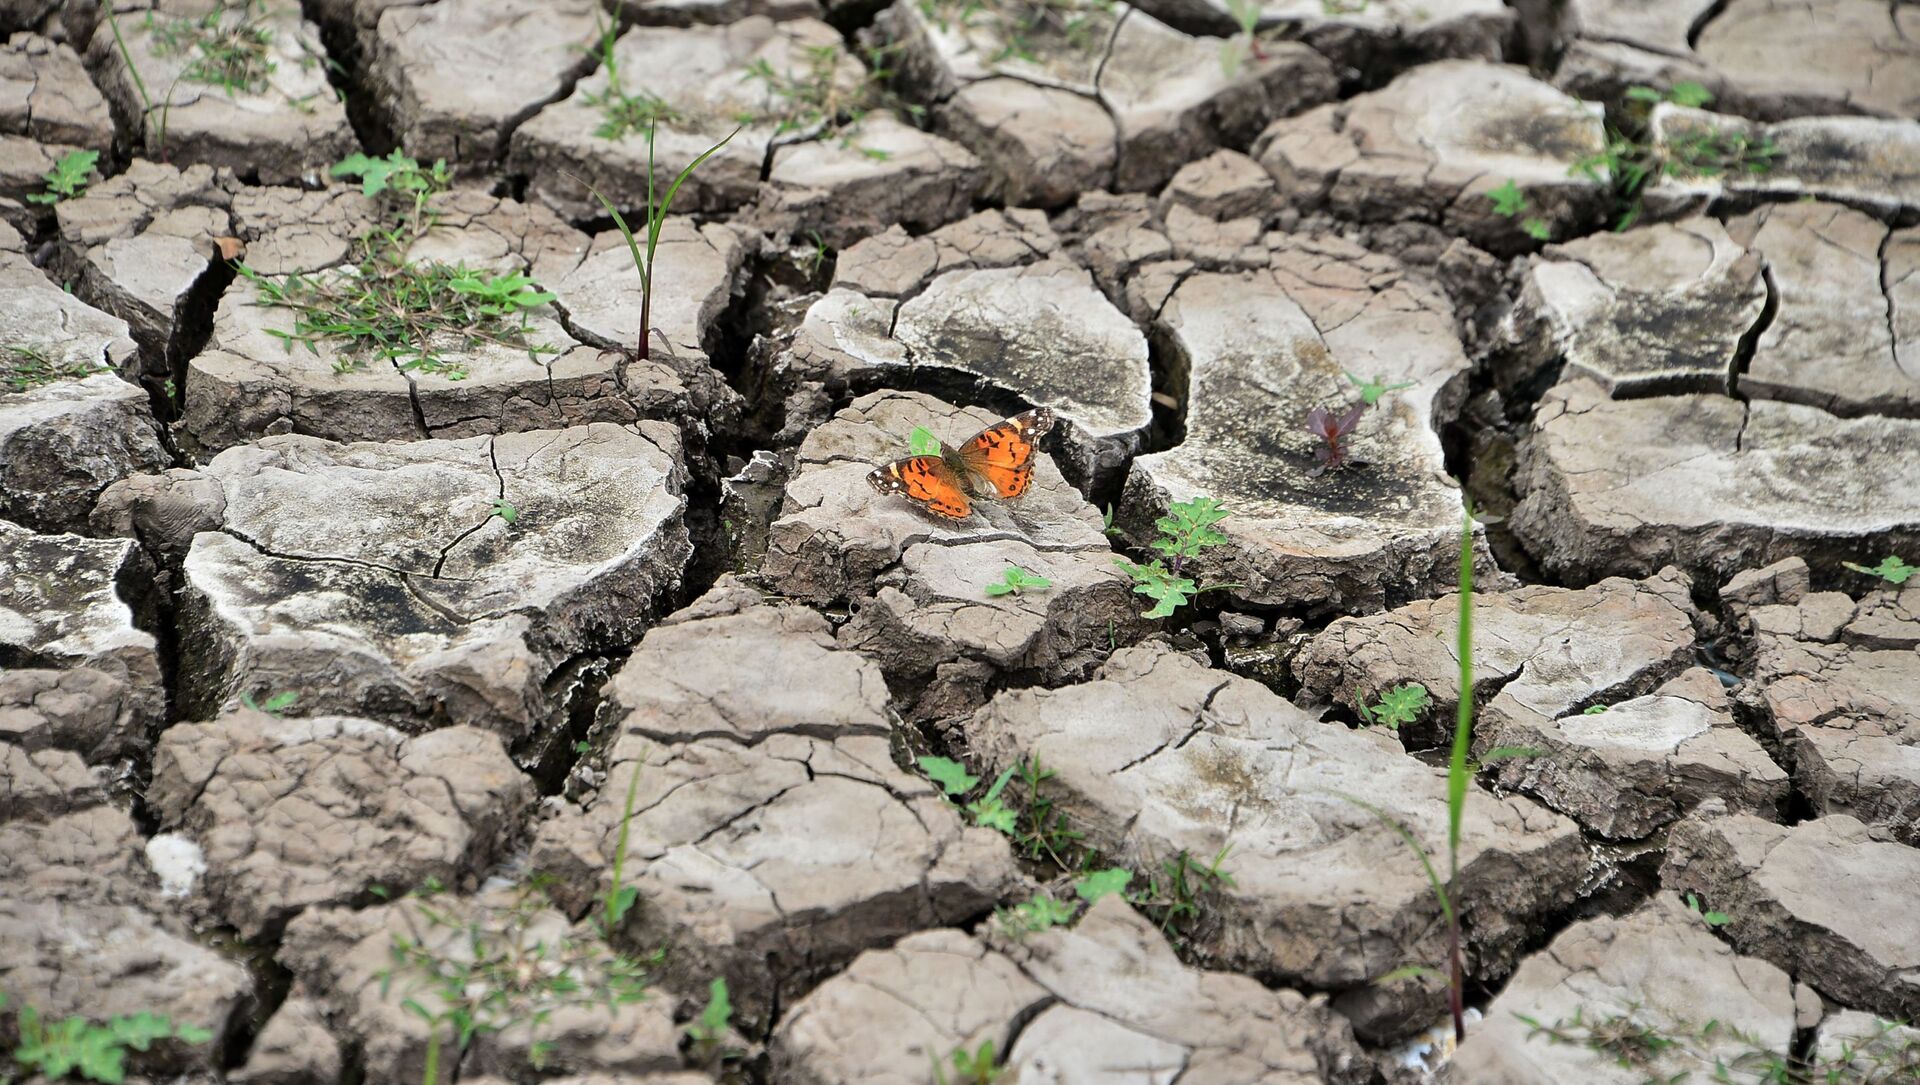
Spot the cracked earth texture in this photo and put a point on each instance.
(502, 706)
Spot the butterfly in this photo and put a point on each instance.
(1002, 454)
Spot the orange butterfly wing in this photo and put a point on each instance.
(926, 481)
(1003, 453)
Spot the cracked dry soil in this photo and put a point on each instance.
(353, 690)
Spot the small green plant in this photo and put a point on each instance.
(1460, 770)
(1015, 581)
(491, 973)
(1627, 158)
(68, 177)
(1175, 894)
(815, 98)
(624, 113)
(1684, 93)
(954, 779)
(1186, 530)
(275, 705)
(405, 313)
(505, 510)
(23, 368)
(709, 1030)
(1398, 706)
(1044, 831)
(620, 897)
(139, 84)
(1035, 915)
(1710, 917)
(90, 1050)
(1509, 202)
(816, 257)
(1045, 911)
(1712, 152)
(1372, 390)
(1245, 45)
(1632, 1042)
(656, 221)
(1593, 710)
(976, 1067)
(398, 176)
(389, 308)
(1891, 569)
(226, 47)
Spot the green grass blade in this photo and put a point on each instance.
(1413, 844)
(660, 216)
(1459, 772)
(633, 246)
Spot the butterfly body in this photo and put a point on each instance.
(1000, 456)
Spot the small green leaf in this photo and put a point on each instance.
(1102, 883)
(951, 775)
(1644, 94)
(1537, 229)
(1593, 710)
(619, 903)
(1015, 580)
(1689, 94)
(505, 510)
(1508, 200)
(922, 442)
(1407, 972)
(988, 811)
(1398, 706)
(1372, 390)
(993, 814)
(712, 1024)
(1891, 569)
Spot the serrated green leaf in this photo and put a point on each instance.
(991, 813)
(922, 442)
(1102, 883)
(951, 775)
(1398, 706)
(1690, 94)
(1508, 200)
(1891, 569)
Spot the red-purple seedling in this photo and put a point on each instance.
(1333, 432)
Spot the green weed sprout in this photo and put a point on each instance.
(1235, 50)
(275, 705)
(1509, 201)
(656, 221)
(1398, 706)
(1016, 581)
(1891, 569)
(1186, 530)
(94, 1051)
(975, 1067)
(1460, 770)
(24, 367)
(709, 1030)
(67, 178)
(1708, 916)
(988, 810)
(1372, 390)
